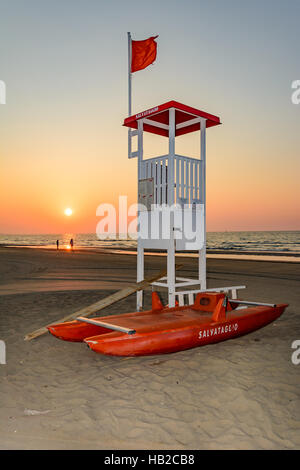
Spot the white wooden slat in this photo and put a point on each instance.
(187, 175)
(177, 179)
(191, 282)
(155, 159)
(167, 186)
(200, 182)
(196, 181)
(182, 178)
(188, 123)
(191, 159)
(157, 182)
(143, 171)
(160, 284)
(150, 122)
(160, 181)
(214, 289)
(164, 181)
(133, 154)
(191, 181)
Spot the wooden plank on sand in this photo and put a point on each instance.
(101, 304)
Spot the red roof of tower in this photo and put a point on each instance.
(160, 114)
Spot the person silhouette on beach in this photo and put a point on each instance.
(71, 243)
(57, 244)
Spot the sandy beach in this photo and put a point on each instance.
(238, 394)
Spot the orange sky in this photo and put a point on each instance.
(242, 193)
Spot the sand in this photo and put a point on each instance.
(238, 394)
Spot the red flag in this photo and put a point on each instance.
(143, 53)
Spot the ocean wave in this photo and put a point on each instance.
(276, 242)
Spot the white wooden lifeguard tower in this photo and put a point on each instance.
(172, 194)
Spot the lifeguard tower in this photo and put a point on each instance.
(172, 197)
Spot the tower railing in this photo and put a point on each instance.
(188, 173)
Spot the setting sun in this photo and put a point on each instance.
(68, 212)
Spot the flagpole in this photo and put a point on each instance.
(129, 76)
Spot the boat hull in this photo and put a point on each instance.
(75, 331)
(167, 330)
(179, 339)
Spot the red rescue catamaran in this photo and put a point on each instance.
(212, 318)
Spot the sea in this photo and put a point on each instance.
(263, 243)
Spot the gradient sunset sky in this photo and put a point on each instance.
(62, 143)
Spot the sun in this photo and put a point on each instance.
(68, 211)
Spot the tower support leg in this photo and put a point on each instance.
(140, 276)
(202, 253)
(171, 274)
